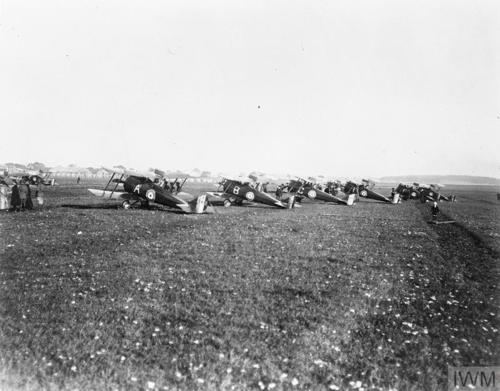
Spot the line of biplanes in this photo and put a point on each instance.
(142, 189)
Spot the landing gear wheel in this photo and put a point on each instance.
(126, 205)
(227, 203)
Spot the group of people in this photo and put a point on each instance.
(170, 186)
(18, 197)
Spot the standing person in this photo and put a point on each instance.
(78, 180)
(279, 192)
(434, 210)
(15, 199)
(29, 200)
(4, 192)
(23, 194)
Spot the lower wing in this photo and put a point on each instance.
(114, 195)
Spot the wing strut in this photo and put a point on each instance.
(117, 183)
(110, 179)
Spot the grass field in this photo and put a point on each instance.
(322, 297)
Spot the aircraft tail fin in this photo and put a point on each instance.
(350, 199)
(200, 205)
(290, 202)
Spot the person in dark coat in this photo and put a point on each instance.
(15, 198)
(29, 201)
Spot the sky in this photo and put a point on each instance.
(341, 88)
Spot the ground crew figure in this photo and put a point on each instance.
(15, 199)
(4, 193)
(434, 211)
(78, 180)
(279, 193)
(23, 194)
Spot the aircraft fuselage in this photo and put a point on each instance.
(148, 190)
(244, 191)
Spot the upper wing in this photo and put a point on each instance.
(129, 172)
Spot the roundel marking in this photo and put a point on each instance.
(363, 193)
(250, 196)
(311, 193)
(151, 195)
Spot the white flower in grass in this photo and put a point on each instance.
(73, 368)
(133, 378)
(295, 382)
(150, 385)
(333, 387)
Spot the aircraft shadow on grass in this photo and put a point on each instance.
(108, 206)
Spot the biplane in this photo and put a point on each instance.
(236, 192)
(310, 190)
(138, 188)
(32, 177)
(365, 190)
(430, 192)
(407, 192)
